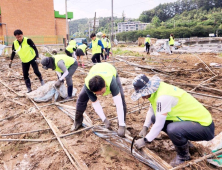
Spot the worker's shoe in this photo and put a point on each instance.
(143, 132)
(182, 155)
(83, 66)
(107, 124)
(78, 121)
(28, 85)
(121, 131)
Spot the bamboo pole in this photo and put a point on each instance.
(20, 95)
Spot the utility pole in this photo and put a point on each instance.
(67, 26)
(89, 27)
(94, 26)
(112, 20)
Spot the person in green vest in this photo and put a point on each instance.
(70, 49)
(109, 46)
(147, 43)
(104, 42)
(65, 67)
(102, 79)
(28, 53)
(171, 42)
(80, 53)
(96, 46)
(175, 112)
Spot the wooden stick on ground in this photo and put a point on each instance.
(20, 95)
(79, 164)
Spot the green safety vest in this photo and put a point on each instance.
(109, 46)
(106, 71)
(95, 47)
(72, 42)
(25, 51)
(67, 60)
(70, 48)
(104, 42)
(147, 40)
(83, 47)
(187, 108)
(171, 41)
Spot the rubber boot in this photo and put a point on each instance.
(41, 81)
(69, 92)
(78, 121)
(28, 85)
(182, 155)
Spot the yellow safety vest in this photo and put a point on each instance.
(106, 71)
(187, 108)
(104, 42)
(83, 47)
(67, 60)
(70, 48)
(73, 43)
(109, 46)
(95, 47)
(171, 41)
(25, 51)
(147, 40)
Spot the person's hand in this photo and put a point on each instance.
(140, 143)
(38, 61)
(10, 64)
(58, 83)
(143, 132)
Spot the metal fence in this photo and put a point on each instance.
(38, 40)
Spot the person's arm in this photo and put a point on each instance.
(62, 66)
(13, 52)
(31, 43)
(90, 46)
(149, 114)
(164, 105)
(101, 44)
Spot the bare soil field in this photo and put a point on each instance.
(20, 115)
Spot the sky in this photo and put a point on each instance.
(87, 8)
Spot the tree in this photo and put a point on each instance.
(156, 21)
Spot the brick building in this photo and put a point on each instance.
(34, 18)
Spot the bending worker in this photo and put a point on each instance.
(175, 112)
(28, 53)
(102, 80)
(96, 46)
(71, 48)
(80, 53)
(65, 67)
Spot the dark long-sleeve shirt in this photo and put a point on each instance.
(30, 42)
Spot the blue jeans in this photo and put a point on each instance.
(181, 132)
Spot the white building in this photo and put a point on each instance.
(131, 26)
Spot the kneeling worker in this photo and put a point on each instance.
(175, 112)
(65, 67)
(102, 80)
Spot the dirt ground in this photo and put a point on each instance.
(94, 151)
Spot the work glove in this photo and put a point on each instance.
(140, 143)
(121, 131)
(107, 124)
(38, 61)
(143, 132)
(10, 64)
(58, 83)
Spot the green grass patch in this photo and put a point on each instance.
(118, 51)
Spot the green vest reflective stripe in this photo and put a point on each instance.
(187, 108)
(83, 47)
(95, 47)
(106, 71)
(147, 40)
(109, 46)
(67, 60)
(25, 51)
(171, 41)
(70, 48)
(104, 42)
(73, 43)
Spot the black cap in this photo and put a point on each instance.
(140, 81)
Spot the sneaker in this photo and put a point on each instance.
(83, 66)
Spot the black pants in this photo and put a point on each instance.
(102, 54)
(96, 58)
(68, 53)
(181, 132)
(25, 69)
(147, 47)
(83, 99)
(107, 52)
